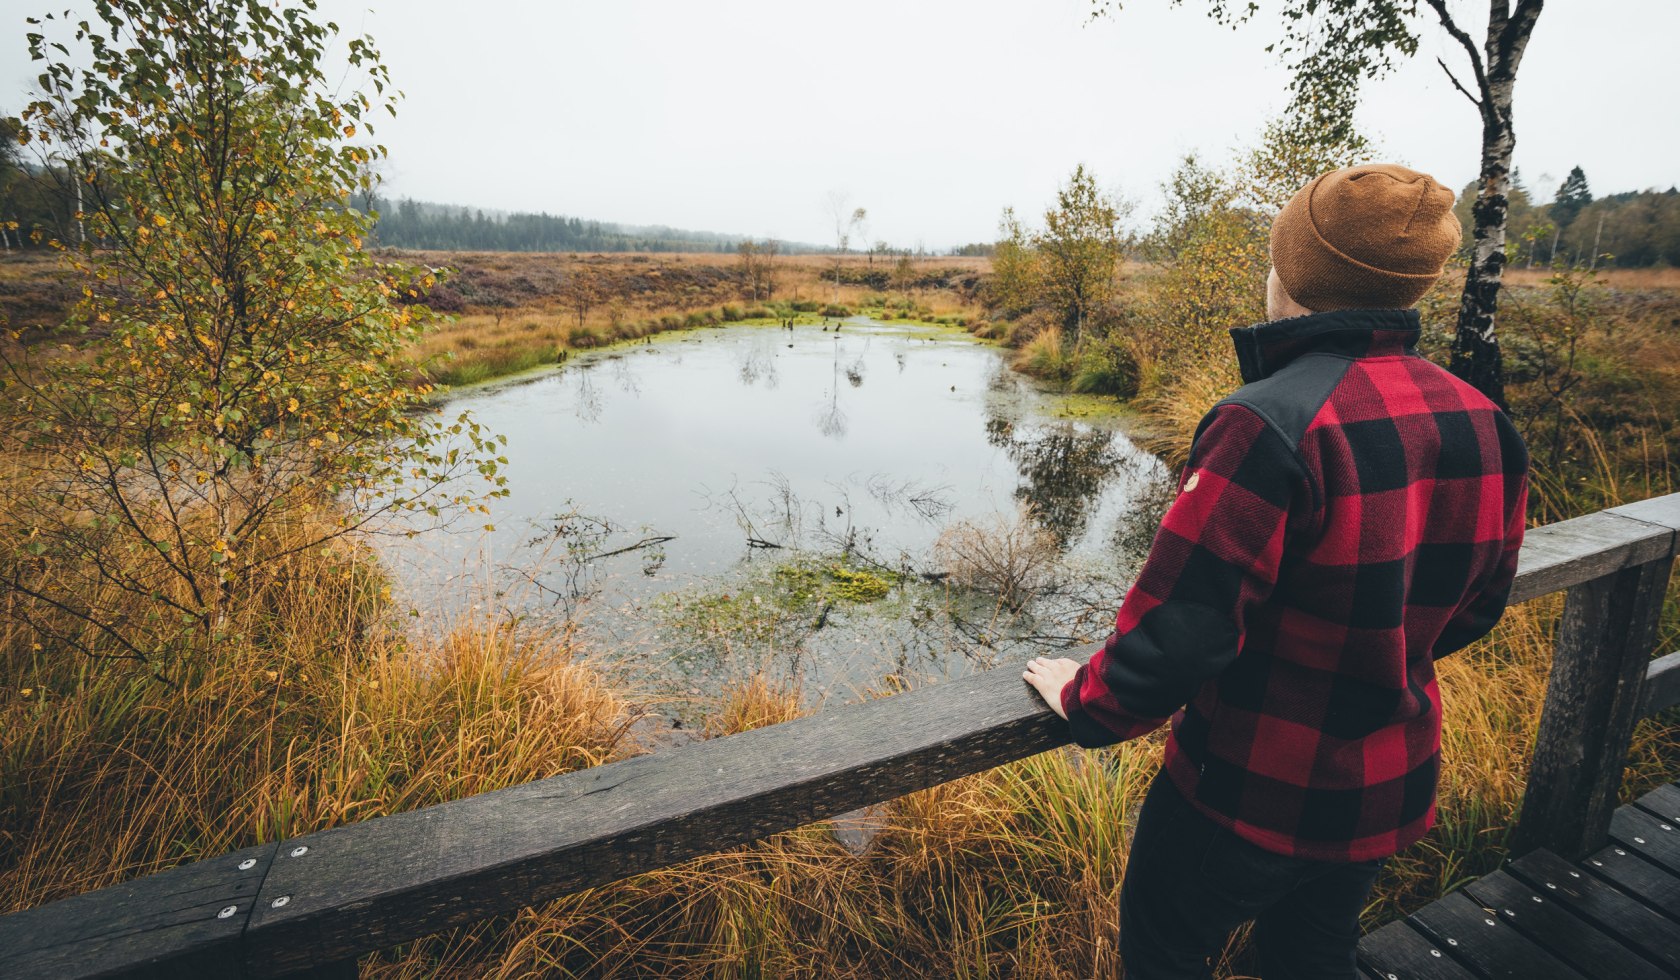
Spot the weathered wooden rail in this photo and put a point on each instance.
(310, 905)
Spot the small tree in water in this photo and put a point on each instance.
(240, 392)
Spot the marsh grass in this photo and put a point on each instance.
(1014, 872)
(509, 313)
(314, 717)
(323, 714)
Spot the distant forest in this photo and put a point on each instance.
(407, 223)
(1630, 229)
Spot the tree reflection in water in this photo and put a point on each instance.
(830, 417)
(1063, 469)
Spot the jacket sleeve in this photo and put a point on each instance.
(1214, 559)
(1483, 607)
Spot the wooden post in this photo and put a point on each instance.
(1604, 645)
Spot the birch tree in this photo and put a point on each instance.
(1332, 46)
(236, 387)
(847, 222)
(1080, 249)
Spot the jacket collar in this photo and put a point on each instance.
(1265, 348)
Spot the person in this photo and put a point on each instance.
(1349, 515)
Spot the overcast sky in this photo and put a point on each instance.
(742, 115)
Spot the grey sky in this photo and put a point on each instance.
(741, 115)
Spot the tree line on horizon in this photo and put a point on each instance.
(407, 223)
(1629, 229)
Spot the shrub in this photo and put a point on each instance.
(1012, 559)
(1106, 367)
(444, 299)
(1044, 357)
(258, 375)
(582, 337)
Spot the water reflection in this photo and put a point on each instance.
(1062, 467)
(652, 489)
(758, 362)
(625, 375)
(830, 417)
(586, 400)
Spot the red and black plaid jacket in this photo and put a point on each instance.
(1349, 515)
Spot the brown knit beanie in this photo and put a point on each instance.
(1369, 237)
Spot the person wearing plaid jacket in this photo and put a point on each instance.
(1348, 516)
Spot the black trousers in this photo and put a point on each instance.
(1189, 882)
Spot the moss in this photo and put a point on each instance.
(855, 585)
(802, 583)
(797, 584)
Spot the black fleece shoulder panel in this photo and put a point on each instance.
(1290, 399)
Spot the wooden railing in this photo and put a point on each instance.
(310, 905)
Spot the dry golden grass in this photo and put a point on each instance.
(1012, 872)
(512, 312)
(309, 715)
(329, 717)
(1652, 278)
(1175, 404)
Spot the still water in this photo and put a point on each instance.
(751, 498)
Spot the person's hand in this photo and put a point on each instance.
(1048, 677)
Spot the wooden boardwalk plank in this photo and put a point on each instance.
(164, 925)
(1662, 685)
(1662, 511)
(1399, 952)
(1603, 649)
(1664, 801)
(1551, 925)
(1616, 913)
(1636, 830)
(1488, 946)
(1637, 877)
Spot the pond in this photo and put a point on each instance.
(848, 504)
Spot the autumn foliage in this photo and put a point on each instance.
(240, 366)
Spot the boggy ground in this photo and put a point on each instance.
(510, 312)
(328, 712)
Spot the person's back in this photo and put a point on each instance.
(1347, 516)
(1403, 516)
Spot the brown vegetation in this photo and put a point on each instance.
(36, 291)
(507, 312)
(511, 312)
(323, 714)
